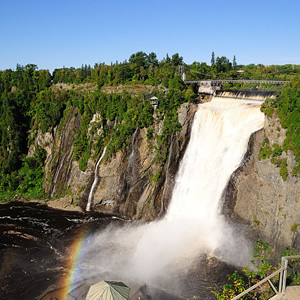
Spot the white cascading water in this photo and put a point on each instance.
(219, 140)
(57, 174)
(90, 198)
(193, 223)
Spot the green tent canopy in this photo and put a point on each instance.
(108, 290)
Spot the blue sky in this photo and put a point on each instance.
(53, 34)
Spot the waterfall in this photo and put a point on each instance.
(131, 167)
(88, 206)
(131, 156)
(57, 174)
(193, 223)
(219, 140)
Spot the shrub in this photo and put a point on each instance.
(156, 176)
(283, 170)
(294, 227)
(265, 151)
(149, 134)
(277, 151)
(261, 267)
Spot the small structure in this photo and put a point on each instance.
(108, 290)
(154, 102)
(209, 87)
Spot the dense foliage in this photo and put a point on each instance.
(287, 107)
(289, 113)
(119, 116)
(33, 102)
(18, 90)
(31, 105)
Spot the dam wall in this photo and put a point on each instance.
(247, 95)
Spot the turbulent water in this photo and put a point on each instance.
(35, 246)
(171, 254)
(219, 139)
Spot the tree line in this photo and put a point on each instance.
(146, 68)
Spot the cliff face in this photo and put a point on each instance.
(258, 196)
(131, 184)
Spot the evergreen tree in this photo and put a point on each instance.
(168, 59)
(152, 59)
(213, 61)
(176, 60)
(234, 62)
(223, 64)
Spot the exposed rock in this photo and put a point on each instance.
(258, 196)
(126, 182)
(59, 160)
(65, 203)
(131, 184)
(130, 89)
(79, 87)
(43, 140)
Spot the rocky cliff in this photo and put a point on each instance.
(132, 183)
(259, 197)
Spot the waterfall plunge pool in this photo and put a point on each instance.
(36, 249)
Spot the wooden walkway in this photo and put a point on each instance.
(291, 293)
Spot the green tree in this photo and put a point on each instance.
(212, 61)
(124, 72)
(152, 59)
(139, 58)
(176, 60)
(223, 64)
(168, 59)
(234, 62)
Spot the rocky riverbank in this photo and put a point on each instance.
(64, 203)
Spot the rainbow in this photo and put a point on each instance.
(75, 257)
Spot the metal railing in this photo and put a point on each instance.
(219, 81)
(282, 279)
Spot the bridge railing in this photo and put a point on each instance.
(236, 80)
(282, 279)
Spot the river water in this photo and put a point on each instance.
(35, 249)
(35, 244)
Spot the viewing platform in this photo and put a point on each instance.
(284, 292)
(291, 293)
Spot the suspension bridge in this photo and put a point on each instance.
(211, 86)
